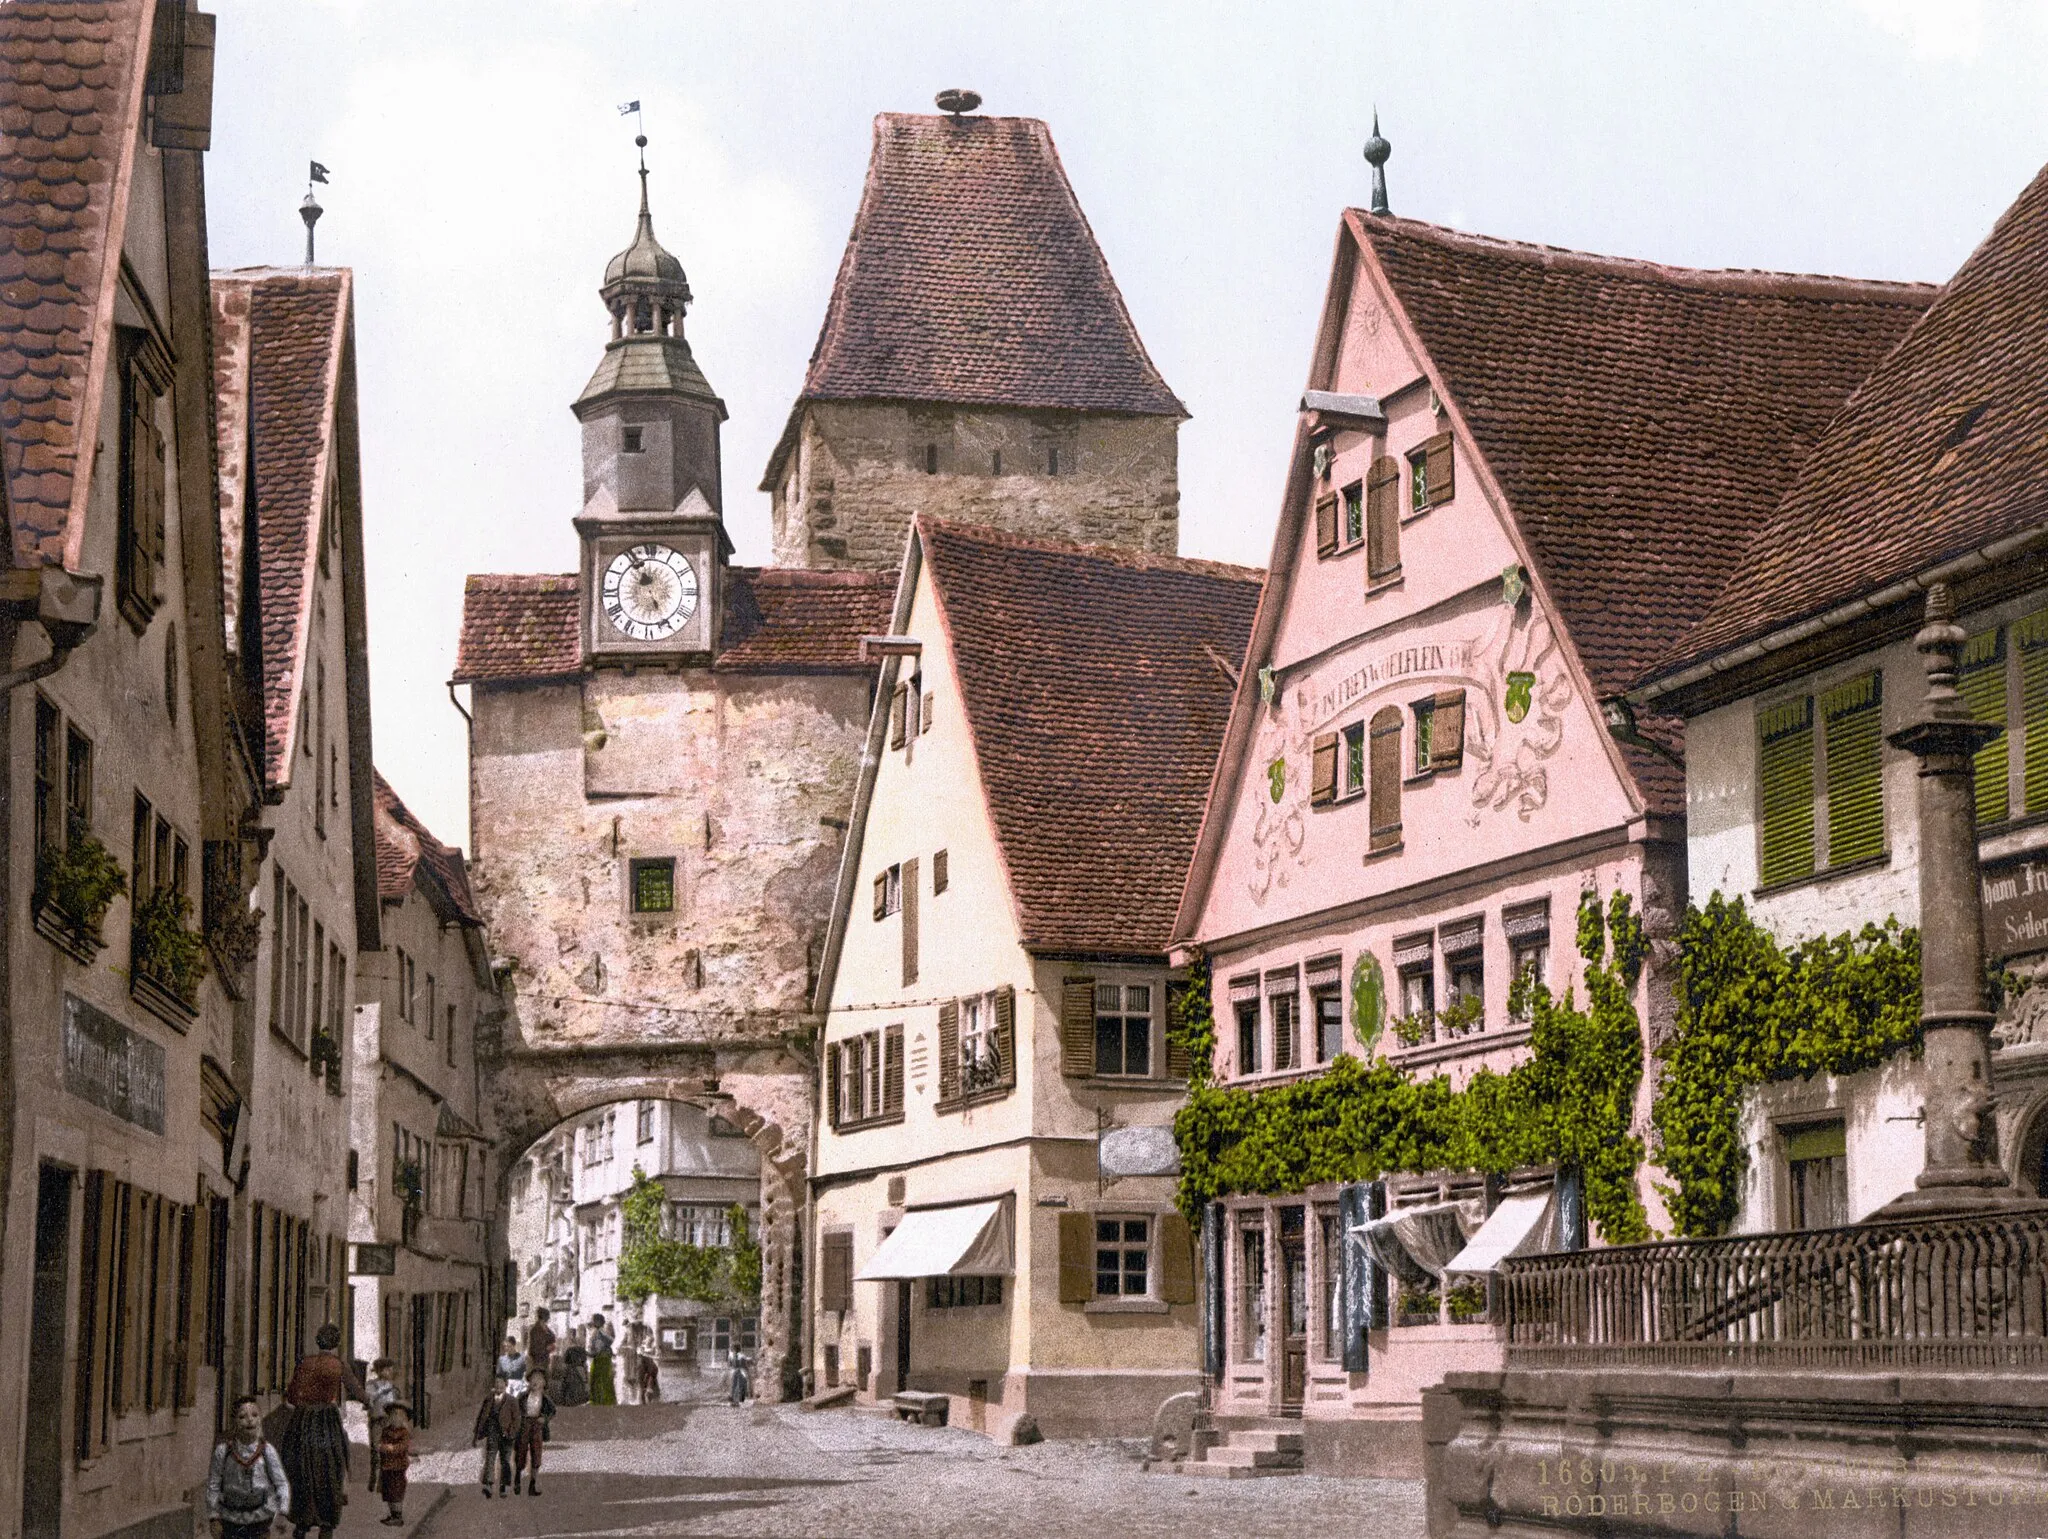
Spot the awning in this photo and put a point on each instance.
(970, 1241)
(1414, 1243)
(1522, 1225)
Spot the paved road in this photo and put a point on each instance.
(700, 1470)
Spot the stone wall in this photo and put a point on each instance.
(860, 469)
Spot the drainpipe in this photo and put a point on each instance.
(65, 604)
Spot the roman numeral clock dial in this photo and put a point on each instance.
(649, 592)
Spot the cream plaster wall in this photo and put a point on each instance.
(1886, 1142)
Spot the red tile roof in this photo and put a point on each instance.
(407, 853)
(527, 629)
(297, 325)
(70, 89)
(972, 276)
(1944, 449)
(1641, 419)
(1097, 703)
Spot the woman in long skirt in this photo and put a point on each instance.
(314, 1446)
(603, 1391)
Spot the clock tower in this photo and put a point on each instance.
(652, 526)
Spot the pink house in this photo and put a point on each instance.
(1520, 473)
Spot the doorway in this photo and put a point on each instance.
(42, 1484)
(903, 1333)
(1294, 1311)
(416, 1360)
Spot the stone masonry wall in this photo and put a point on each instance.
(860, 470)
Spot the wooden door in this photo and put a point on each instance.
(1294, 1306)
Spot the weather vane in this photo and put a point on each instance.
(639, 131)
(310, 210)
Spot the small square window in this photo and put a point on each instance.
(633, 444)
(654, 886)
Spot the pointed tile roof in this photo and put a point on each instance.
(1094, 684)
(408, 855)
(1943, 450)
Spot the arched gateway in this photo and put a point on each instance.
(662, 754)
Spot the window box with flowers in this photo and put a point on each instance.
(166, 956)
(76, 883)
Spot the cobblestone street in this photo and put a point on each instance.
(782, 1473)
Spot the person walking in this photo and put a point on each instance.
(247, 1489)
(513, 1365)
(626, 1371)
(314, 1445)
(393, 1457)
(497, 1428)
(650, 1369)
(379, 1394)
(535, 1412)
(540, 1345)
(603, 1390)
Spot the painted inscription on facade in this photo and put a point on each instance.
(116, 1069)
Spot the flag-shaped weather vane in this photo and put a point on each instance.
(310, 210)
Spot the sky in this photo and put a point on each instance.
(482, 176)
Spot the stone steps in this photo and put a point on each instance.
(1246, 1452)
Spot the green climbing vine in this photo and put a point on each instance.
(1751, 1011)
(651, 1264)
(1569, 1104)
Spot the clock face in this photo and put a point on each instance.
(649, 592)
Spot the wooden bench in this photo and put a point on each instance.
(921, 1406)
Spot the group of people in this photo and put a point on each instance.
(596, 1367)
(512, 1424)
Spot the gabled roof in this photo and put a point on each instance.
(408, 856)
(1094, 685)
(289, 327)
(526, 629)
(71, 80)
(1942, 451)
(1642, 420)
(972, 276)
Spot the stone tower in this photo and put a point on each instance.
(976, 363)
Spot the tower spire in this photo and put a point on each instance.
(1376, 152)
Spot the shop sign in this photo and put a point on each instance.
(2015, 905)
(376, 1261)
(116, 1069)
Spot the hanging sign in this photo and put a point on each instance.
(2015, 906)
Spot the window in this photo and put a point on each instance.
(962, 1292)
(1383, 521)
(405, 985)
(320, 759)
(981, 1051)
(1330, 1230)
(1465, 962)
(705, 1225)
(1817, 1174)
(145, 376)
(1415, 966)
(433, 1006)
(888, 892)
(1052, 459)
(1385, 766)
(643, 1124)
(633, 438)
(1123, 1255)
(1123, 1028)
(77, 784)
(1826, 788)
(995, 462)
(1440, 732)
(1251, 1291)
(1248, 1056)
(1352, 782)
(864, 1078)
(940, 873)
(931, 459)
(653, 884)
(450, 1022)
(171, 672)
(1528, 931)
(1429, 474)
(1327, 1001)
(1340, 520)
(1283, 1002)
(49, 826)
(1337, 765)
(1354, 514)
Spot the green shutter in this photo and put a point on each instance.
(1785, 773)
(1981, 683)
(1852, 716)
(2031, 635)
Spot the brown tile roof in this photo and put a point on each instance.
(525, 629)
(70, 88)
(1641, 419)
(296, 328)
(1097, 703)
(407, 852)
(972, 276)
(1944, 449)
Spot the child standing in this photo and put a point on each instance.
(497, 1427)
(246, 1488)
(379, 1394)
(394, 1458)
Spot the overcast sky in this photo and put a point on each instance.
(482, 177)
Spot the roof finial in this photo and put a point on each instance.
(1376, 152)
(957, 100)
(310, 210)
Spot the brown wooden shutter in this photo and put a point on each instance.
(925, 712)
(1326, 525)
(949, 1052)
(1077, 1258)
(910, 921)
(1176, 1260)
(1383, 519)
(163, 1390)
(892, 1071)
(1385, 754)
(126, 1369)
(882, 896)
(1178, 1065)
(941, 873)
(1322, 786)
(1437, 468)
(835, 1273)
(1006, 1035)
(835, 1068)
(193, 1249)
(899, 705)
(1447, 730)
(1077, 1027)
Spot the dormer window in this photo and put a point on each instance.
(633, 443)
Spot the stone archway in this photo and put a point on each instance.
(763, 1091)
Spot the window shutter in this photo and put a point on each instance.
(1386, 778)
(1447, 730)
(1322, 788)
(899, 704)
(892, 1072)
(1077, 1258)
(835, 1070)
(1077, 1027)
(1006, 1035)
(835, 1273)
(1176, 1260)
(1981, 683)
(1852, 719)
(1383, 519)
(1785, 786)
(940, 872)
(1178, 1066)
(910, 921)
(949, 1051)
(1437, 462)
(95, 1251)
(924, 708)
(1326, 526)
(881, 896)
(2031, 634)
(171, 1224)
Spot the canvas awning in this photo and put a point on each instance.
(1414, 1243)
(1522, 1225)
(968, 1241)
